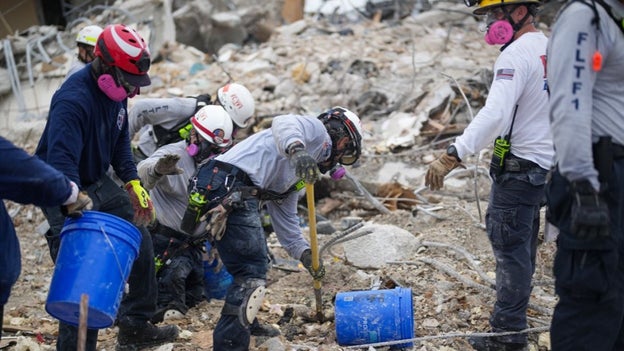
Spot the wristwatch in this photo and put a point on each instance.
(451, 150)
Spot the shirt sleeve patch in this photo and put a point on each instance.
(505, 73)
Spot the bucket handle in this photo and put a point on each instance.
(121, 273)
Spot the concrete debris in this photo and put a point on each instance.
(384, 243)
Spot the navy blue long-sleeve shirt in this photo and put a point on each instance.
(86, 132)
(24, 179)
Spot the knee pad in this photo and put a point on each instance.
(254, 291)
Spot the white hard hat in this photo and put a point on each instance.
(238, 102)
(89, 34)
(213, 124)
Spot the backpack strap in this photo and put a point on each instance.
(596, 19)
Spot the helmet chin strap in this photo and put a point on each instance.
(515, 26)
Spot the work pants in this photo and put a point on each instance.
(512, 224)
(244, 253)
(589, 277)
(181, 278)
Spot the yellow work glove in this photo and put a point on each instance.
(438, 169)
(144, 212)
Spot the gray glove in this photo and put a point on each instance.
(306, 260)
(305, 165)
(589, 214)
(167, 165)
(202, 100)
(218, 221)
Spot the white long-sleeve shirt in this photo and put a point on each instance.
(519, 80)
(585, 104)
(263, 157)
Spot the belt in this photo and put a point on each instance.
(519, 165)
(234, 171)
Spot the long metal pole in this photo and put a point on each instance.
(315, 251)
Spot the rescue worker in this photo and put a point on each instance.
(86, 132)
(85, 42)
(28, 180)
(166, 174)
(515, 118)
(271, 165)
(164, 121)
(586, 191)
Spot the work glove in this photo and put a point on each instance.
(305, 165)
(589, 216)
(218, 221)
(167, 165)
(202, 100)
(74, 210)
(306, 260)
(438, 169)
(144, 213)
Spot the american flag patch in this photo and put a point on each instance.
(505, 73)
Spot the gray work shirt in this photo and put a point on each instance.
(263, 157)
(169, 193)
(585, 104)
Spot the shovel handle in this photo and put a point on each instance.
(312, 226)
(314, 248)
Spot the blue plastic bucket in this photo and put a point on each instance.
(95, 258)
(366, 317)
(216, 278)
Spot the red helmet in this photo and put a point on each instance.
(121, 46)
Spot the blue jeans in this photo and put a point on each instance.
(589, 276)
(512, 224)
(139, 304)
(244, 253)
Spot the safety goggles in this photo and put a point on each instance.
(495, 14)
(349, 155)
(129, 88)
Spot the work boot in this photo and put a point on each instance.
(258, 329)
(483, 343)
(133, 339)
(166, 314)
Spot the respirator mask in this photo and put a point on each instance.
(114, 85)
(498, 30)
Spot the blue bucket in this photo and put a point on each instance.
(95, 258)
(217, 279)
(366, 317)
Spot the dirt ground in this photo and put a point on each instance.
(448, 276)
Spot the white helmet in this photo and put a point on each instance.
(88, 35)
(213, 124)
(238, 102)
